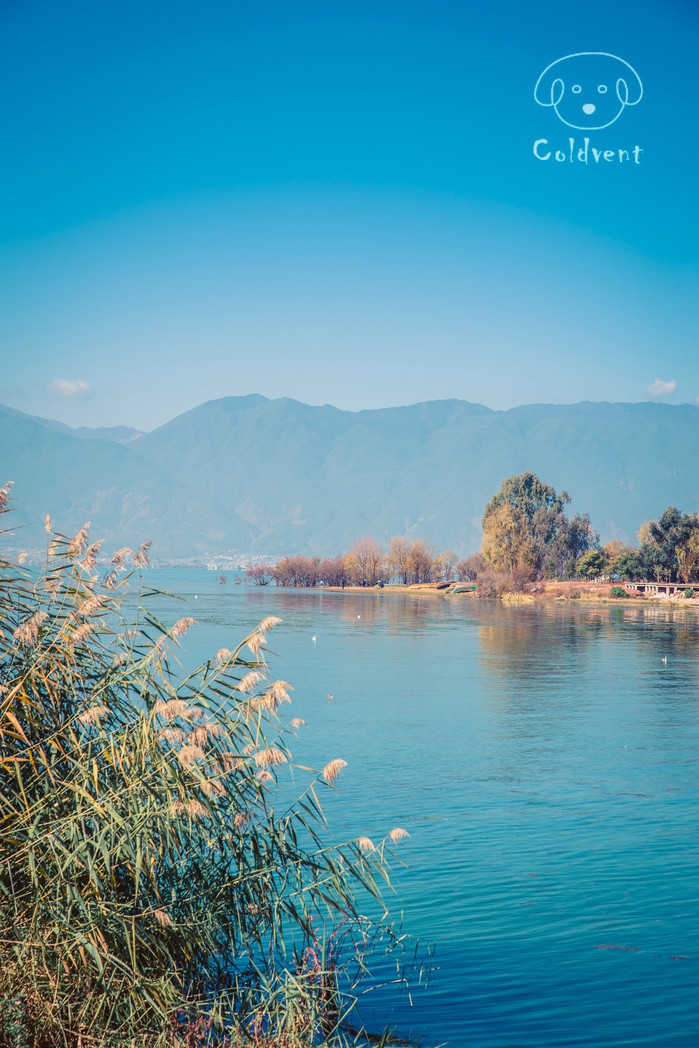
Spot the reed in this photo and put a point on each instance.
(150, 894)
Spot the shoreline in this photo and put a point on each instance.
(572, 592)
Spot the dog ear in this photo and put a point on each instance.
(633, 95)
(550, 88)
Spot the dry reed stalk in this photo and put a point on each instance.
(366, 845)
(181, 627)
(193, 808)
(54, 547)
(269, 757)
(332, 769)
(80, 635)
(93, 715)
(163, 918)
(268, 623)
(90, 558)
(28, 632)
(78, 543)
(120, 556)
(173, 735)
(397, 834)
(250, 681)
(189, 753)
(91, 605)
(53, 585)
(255, 642)
(298, 722)
(141, 556)
(279, 690)
(230, 763)
(172, 708)
(264, 702)
(109, 798)
(204, 732)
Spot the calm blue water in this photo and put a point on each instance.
(545, 763)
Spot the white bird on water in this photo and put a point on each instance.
(313, 638)
(664, 659)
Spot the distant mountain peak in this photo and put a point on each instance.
(242, 473)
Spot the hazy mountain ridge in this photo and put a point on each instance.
(250, 473)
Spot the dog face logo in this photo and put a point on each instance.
(589, 90)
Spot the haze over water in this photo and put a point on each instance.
(544, 761)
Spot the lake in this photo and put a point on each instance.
(544, 760)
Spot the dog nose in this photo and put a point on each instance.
(588, 108)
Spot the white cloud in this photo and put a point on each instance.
(68, 387)
(658, 388)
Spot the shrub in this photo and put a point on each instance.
(618, 592)
(689, 593)
(150, 894)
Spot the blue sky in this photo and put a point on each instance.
(339, 202)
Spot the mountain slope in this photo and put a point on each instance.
(314, 478)
(249, 473)
(127, 499)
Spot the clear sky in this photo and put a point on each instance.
(340, 202)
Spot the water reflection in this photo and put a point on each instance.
(543, 759)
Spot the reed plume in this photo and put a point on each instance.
(269, 757)
(28, 632)
(181, 627)
(250, 681)
(332, 769)
(189, 753)
(171, 708)
(146, 874)
(89, 560)
(93, 715)
(163, 918)
(397, 834)
(141, 556)
(78, 543)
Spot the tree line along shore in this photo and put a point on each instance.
(528, 539)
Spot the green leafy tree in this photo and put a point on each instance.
(525, 526)
(592, 564)
(687, 553)
(629, 566)
(667, 549)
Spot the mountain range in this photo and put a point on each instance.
(261, 476)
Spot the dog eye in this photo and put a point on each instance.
(602, 89)
(576, 89)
